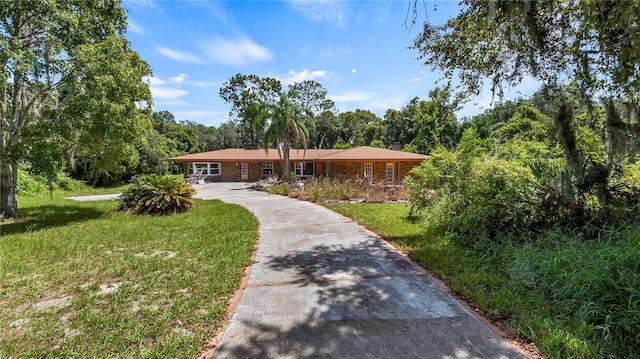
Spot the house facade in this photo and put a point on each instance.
(377, 165)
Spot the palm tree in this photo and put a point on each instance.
(285, 128)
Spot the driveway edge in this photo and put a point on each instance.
(531, 353)
(212, 344)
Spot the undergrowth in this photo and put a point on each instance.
(593, 287)
(332, 189)
(35, 185)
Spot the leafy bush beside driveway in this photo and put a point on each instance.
(154, 194)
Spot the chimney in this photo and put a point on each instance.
(396, 146)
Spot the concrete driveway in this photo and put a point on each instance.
(322, 287)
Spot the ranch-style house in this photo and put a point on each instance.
(377, 165)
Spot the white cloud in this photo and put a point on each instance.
(167, 92)
(415, 79)
(351, 96)
(153, 81)
(380, 103)
(331, 11)
(136, 28)
(293, 77)
(238, 52)
(179, 56)
(353, 71)
(160, 90)
(178, 79)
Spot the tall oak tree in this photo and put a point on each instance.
(69, 82)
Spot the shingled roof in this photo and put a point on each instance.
(362, 153)
(366, 153)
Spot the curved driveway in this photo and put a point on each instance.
(322, 287)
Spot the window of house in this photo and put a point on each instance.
(244, 171)
(215, 169)
(267, 168)
(389, 172)
(304, 169)
(368, 170)
(208, 168)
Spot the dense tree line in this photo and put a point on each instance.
(71, 90)
(585, 55)
(554, 178)
(420, 126)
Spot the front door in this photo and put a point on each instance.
(244, 171)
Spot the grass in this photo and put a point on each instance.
(80, 279)
(92, 191)
(571, 297)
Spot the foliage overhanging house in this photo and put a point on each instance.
(237, 164)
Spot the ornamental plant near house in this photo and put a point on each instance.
(159, 195)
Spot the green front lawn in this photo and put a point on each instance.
(81, 279)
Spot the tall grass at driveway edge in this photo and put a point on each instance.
(80, 279)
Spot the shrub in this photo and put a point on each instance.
(28, 184)
(473, 197)
(631, 174)
(35, 185)
(154, 194)
(280, 188)
(66, 183)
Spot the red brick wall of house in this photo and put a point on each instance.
(379, 172)
(345, 170)
(355, 169)
(230, 172)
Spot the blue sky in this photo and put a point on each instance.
(356, 49)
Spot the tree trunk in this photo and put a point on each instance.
(617, 134)
(285, 165)
(8, 181)
(567, 138)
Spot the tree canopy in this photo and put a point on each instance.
(571, 47)
(250, 97)
(70, 86)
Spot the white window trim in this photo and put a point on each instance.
(244, 171)
(368, 170)
(209, 170)
(268, 165)
(299, 169)
(392, 167)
